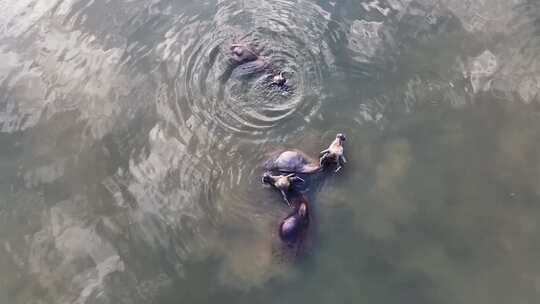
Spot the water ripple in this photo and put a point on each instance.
(240, 100)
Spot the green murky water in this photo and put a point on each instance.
(131, 152)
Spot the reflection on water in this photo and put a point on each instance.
(131, 151)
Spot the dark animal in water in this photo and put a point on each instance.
(293, 227)
(249, 68)
(334, 153)
(292, 161)
(284, 183)
(245, 61)
(242, 53)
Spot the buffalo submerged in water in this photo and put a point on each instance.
(245, 61)
(283, 171)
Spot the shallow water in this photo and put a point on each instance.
(131, 151)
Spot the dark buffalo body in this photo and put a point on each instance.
(293, 227)
(292, 161)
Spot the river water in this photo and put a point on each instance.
(131, 152)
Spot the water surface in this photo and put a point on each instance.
(130, 151)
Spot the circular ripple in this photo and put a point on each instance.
(240, 99)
